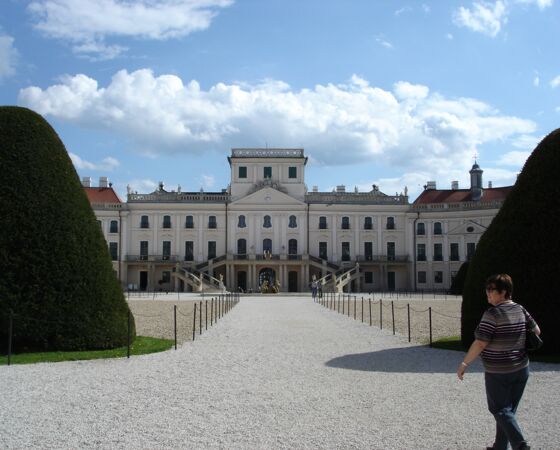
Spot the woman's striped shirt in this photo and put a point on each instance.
(504, 328)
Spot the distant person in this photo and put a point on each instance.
(500, 340)
(314, 288)
(320, 289)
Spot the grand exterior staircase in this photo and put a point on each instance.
(336, 281)
(199, 281)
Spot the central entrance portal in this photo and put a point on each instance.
(267, 279)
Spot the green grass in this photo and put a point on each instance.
(454, 343)
(142, 345)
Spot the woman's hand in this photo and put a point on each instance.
(461, 370)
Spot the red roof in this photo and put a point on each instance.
(102, 195)
(460, 195)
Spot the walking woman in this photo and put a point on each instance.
(500, 340)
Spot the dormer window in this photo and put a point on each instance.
(267, 223)
(293, 222)
(267, 172)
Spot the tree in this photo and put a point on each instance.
(459, 281)
(523, 241)
(56, 272)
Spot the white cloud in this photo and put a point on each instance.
(449, 36)
(536, 81)
(555, 82)
(483, 17)
(208, 181)
(411, 127)
(86, 24)
(383, 42)
(403, 10)
(514, 158)
(8, 56)
(489, 18)
(107, 164)
(526, 141)
(143, 186)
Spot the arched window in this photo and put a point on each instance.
(293, 222)
(420, 228)
(292, 247)
(346, 223)
(437, 228)
(267, 245)
(241, 222)
(267, 222)
(241, 247)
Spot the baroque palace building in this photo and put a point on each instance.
(267, 228)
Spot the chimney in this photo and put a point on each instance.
(454, 185)
(430, 185)
(489, 185)
(315, 189)
(86, 181)
(103, 182)
(341, 188)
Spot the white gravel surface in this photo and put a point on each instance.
(278, 372)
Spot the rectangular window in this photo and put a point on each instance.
(212, 222)
(470, 250)
(420, 228)
(322, 223)
(346, 223)
(346, 251)
(368, 277)
(323, 250)
(242, 172)
(143, 249)
(114, 228)
(165, 276)
(438, 252)
(114, 250)
(189, 251)
(166, 221)
(268, 172)
(420, 252)
(144, 222)
(189, 222)
(454, 252)
(166, 251)
(422, 277)
(368, 223)
(211, 249)
(390, 223)
(368, 251)
(437, 228)
(391, 251)
(438, 276)
(292, 172)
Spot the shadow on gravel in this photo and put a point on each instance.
(420, 359)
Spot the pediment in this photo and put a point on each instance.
(467, 228)
(267, 197)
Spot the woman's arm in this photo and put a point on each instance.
(476, 349)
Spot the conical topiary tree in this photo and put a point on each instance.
(459, 280)
(523, 241)
(55, 270)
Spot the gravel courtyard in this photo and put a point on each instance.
(279, 372)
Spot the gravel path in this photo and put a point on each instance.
(279, 372)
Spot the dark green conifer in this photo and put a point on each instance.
(55, 269)
(523, 241)
(459, 280)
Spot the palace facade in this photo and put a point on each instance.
(267, 228)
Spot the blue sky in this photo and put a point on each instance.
(393, 93)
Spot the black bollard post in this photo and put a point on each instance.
(194, 323)
(175, 324)
(408, 311)
(211, 311)
(206, 313)
(200, 319)
(430, 313)
(362, 309)
(370, 320)
(10, 333)
(128, 333)
(354, 307)
(380, 313)
(393, 315)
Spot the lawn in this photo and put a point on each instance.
(142, 345)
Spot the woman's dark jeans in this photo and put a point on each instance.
(503, 392)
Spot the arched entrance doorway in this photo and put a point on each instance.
(267, 274)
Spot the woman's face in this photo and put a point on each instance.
(494, 296)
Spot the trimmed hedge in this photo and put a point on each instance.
(523, 241)
(56, 272)
(459, 280)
